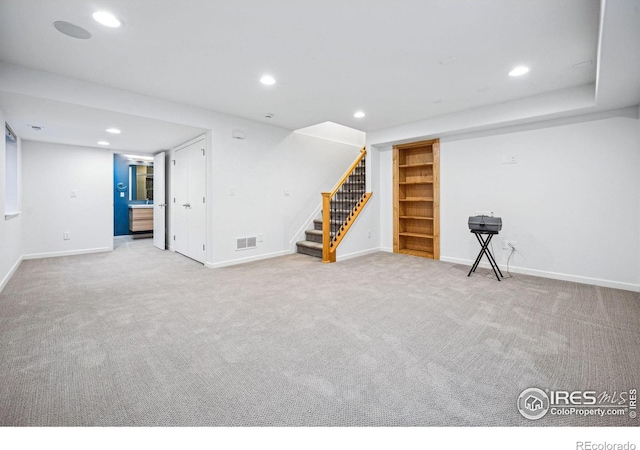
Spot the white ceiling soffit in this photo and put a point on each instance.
(336, 132)
(399, 62)
(618, 83)
(79, 125)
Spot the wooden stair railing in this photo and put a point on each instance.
(342, 205)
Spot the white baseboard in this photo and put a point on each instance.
(8, 276)
(553, 275)
(235, 262)
(356, 254)
(68, 253)
(386, 249)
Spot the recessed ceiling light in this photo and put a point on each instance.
(268, 80)
(71, 30)
(103, 143)
(107, 19)
(113, 130)
(518, 71)
(359, 114)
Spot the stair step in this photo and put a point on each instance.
(314, 236)
(310, 248)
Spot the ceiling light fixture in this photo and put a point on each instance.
(267, 80)
(518, 71)
(71, 30)
(107, 19)
(138, 158)
(103, 143)
(112, 130)
(359, 115)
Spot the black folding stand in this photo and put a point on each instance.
(484, 243)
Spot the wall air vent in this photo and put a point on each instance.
(245, 243)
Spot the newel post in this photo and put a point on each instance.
(326, 227)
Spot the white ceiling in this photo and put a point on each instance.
(83, 126)
(399, 61)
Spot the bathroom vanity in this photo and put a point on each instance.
(140, 218)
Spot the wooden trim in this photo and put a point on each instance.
(326, 227)
(396, 211)
(363, 153)
(436, 199)
(417, 144)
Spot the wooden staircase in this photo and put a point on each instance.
(340, 208)
(312, 246)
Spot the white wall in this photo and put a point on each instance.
(572, 201)
(258, 169)
(10, 228)
(50, 173)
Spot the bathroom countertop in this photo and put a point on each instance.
(141, 206)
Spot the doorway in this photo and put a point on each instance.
(139, 197)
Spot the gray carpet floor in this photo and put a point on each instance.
(142, 337)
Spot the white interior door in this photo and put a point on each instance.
(197, 210)
(180, 184)
(159, 201)
(188, 181)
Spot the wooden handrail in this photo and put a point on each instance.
(363, 153)
(328, 251)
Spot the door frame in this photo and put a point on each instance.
(170, 190)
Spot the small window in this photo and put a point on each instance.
(11, 171)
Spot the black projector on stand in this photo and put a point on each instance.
(488, 226)
(485, 223)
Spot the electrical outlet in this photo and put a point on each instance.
(369, 234)
(506, 244)
(260, 237)
(66, 236)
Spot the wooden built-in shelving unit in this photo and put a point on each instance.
(416, 199)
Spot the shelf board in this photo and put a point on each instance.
(416, 182)
(416, 199)
(424, 254)
(417, 235)
(415, 217)
(402, 166)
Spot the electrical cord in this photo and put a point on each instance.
(513, 250)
